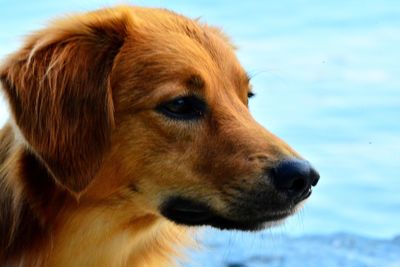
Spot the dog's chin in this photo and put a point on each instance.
(192, 213)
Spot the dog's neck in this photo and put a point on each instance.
(95, 240)
(39, 218)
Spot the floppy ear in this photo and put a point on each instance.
(59, 93)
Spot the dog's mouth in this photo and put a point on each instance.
(193, 213)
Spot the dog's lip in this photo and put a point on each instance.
(305, 195)
(193, 213)
(186, 211)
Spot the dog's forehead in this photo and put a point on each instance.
(168, 54)
(181, 42)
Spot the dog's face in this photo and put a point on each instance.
(178, 139)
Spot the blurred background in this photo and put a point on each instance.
(327, 80)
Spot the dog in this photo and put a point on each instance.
(128, 126)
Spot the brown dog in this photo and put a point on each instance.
(128, 124)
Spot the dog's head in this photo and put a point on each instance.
(150, 108)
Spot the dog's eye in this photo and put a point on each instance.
(183, 108)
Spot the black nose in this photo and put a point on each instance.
(295, 177)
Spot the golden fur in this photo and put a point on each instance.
(86, 161)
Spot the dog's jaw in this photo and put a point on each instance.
(194, 213)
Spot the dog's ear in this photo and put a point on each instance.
(59, 93)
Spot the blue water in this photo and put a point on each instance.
(336, 250)
(327, 80)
